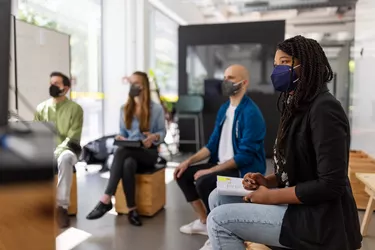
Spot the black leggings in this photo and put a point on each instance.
(125, 164)
(201, 188)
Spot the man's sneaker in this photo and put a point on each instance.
(207, 245)
(63, 220)
(196, 227)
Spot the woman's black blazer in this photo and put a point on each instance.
(317, 153)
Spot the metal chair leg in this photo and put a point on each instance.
(197, 134)
(201, 129)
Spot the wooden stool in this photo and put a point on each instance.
(255, 246)
(150, 193)
(369, 181)
(73, 207)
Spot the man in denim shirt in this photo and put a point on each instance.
(235, 148)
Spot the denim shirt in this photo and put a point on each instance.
(157, 124)
(249, 131)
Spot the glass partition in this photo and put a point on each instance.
(164, 54)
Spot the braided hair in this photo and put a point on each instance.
(315, 73)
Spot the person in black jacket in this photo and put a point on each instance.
(307, 203)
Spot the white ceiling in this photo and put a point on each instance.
(330, 22)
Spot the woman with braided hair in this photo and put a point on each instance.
(307, 203)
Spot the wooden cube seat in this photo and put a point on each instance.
(368, 180)
(73, 206)
(150, 192)
(360, 162)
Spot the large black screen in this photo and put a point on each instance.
(4, 59)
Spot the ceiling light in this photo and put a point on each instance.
(161, 6)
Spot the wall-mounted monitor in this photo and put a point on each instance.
(5, 18)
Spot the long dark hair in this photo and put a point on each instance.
(315, 73)
(144, 119)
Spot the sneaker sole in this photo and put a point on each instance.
(200, 233)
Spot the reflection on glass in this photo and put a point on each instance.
(208, 62)
(163, 51)
(82, 21)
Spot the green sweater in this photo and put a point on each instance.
(68, 119)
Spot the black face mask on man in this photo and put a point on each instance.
(135, 90)
(230, 88)
(55, 91)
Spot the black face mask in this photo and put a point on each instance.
(134, 91)
(230, 88)
(55, 91)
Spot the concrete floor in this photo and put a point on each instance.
(158, 233)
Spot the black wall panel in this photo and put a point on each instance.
(270, 33)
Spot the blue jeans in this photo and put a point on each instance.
(231, 222)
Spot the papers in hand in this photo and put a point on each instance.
(231, 186)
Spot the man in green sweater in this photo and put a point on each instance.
(68, 119)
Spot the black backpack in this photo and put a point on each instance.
(98, 151)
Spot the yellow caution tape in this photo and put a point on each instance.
(101, 96)
(87, 95)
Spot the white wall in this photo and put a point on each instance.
(12, 71)
(114, 62)
(125, 50)
(363, 120)
(14, 8)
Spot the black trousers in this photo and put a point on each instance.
(125, 164)
(201, 188)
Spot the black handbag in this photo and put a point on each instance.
(98, 151)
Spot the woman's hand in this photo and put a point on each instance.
(150, 139)
(260, 196)
(120, 138)
(253, 181)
